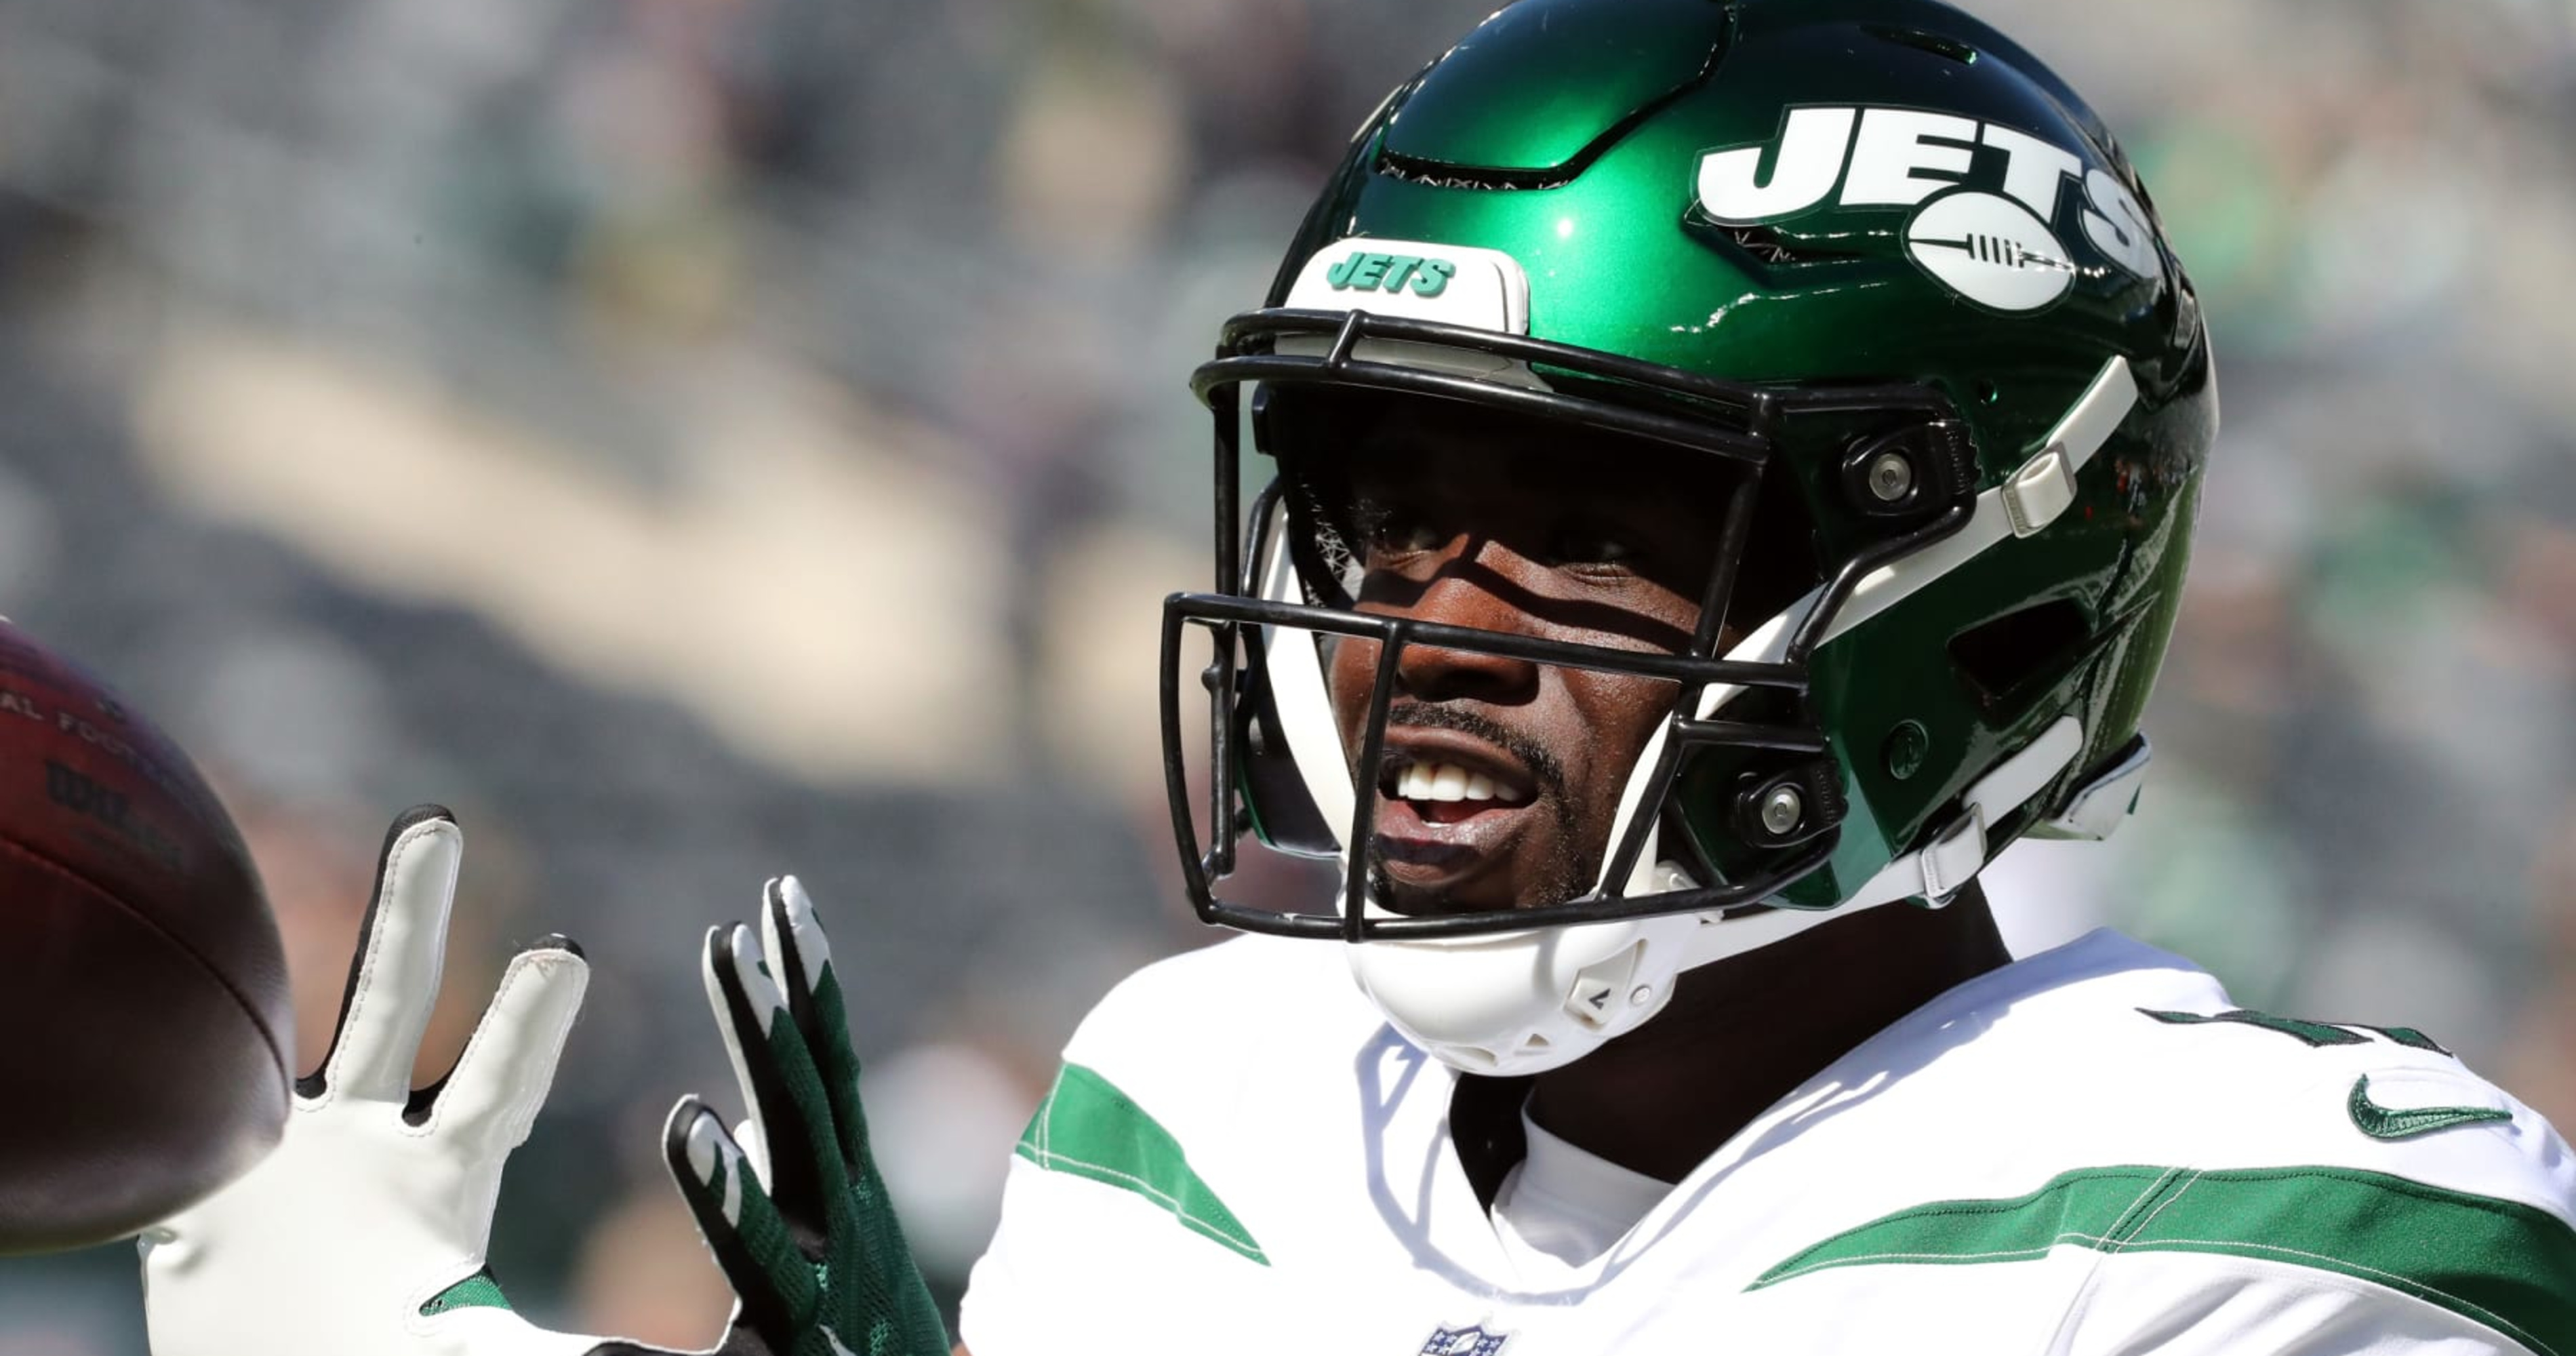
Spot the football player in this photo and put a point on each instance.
(1730, 473)
(1734, 466)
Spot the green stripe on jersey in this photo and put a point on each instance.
(1087, 1127)
(2509, 1266)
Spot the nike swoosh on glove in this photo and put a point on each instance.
(803, 1229)
(363, 1233)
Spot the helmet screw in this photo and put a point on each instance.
(1781, 807)
(1641, 995)
(1907, 746)
(1891, 477)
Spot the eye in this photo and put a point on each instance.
(1400, 530)
(1596, 547)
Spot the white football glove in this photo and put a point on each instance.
(363, 1234)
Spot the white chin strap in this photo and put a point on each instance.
(1527, 1002)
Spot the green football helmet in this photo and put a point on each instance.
(1883, 265)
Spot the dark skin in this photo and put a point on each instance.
(1478, 522)
(1744, 1032)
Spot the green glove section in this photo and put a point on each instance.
(815, 1254)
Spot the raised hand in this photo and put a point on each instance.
(363, 1234)
(809, 1241)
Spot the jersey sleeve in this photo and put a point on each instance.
(2459, 1238)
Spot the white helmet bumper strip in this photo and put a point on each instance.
(2002, 511)
(1455, 284)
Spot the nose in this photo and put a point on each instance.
(1462, 592)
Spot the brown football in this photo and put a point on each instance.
(143, 992)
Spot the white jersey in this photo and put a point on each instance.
(2090, 1151)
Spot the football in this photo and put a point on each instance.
(141, 980)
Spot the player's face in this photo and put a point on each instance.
(1502, 777)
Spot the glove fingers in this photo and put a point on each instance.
(793, 939)
(393, 977)
(500, 1081)
(802, 957)
(752, 1243)
(799, 1066)
(714, 955)
(771, 1064)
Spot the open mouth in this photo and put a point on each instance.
(1448, 793)
(1448, 811)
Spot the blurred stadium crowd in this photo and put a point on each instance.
(704, 438)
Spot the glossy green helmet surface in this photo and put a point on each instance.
(1867, 226)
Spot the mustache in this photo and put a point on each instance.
(1543, 766)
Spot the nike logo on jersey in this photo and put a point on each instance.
(2381, 1122)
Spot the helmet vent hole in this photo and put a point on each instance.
(2003, 660)
(1937, 44)
(1414, 169)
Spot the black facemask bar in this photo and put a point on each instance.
(1735, 421)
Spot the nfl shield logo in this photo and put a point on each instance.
(1470, 1341)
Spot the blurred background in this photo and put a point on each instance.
(702, 438)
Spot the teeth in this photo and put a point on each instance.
(1445, 782)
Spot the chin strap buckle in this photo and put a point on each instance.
(2044, 487)
(2039, 491)
(1957, 852)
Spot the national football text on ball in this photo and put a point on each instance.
(111, 809)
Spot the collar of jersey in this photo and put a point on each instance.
(1570, 1203)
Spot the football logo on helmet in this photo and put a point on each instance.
(1995, 243)
(1989, 249)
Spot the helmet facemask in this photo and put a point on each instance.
(1764, 791)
